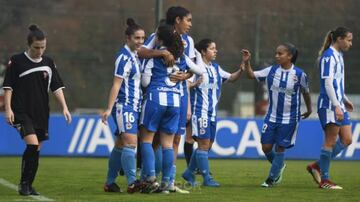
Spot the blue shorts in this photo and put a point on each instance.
(327, 116)
(126, 119)
(203, 128)
(183, 115)
(283, 135)
(155, 117)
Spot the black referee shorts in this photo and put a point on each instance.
(24, 126)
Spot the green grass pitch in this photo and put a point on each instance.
(81, 179)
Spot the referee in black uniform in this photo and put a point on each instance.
(28, 79)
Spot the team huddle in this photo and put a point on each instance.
(168, 87)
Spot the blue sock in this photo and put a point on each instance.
(128, 162)
(158, 160)
(173, 174)
(276, 165)
(168, 162)
(270, 156)
(202, 159)
(148, 159)
(193, 164)
(325, 157)
(114, 165)
(142, 173)
(336, 150)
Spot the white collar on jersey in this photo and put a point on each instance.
(132, 53)
(338, 53)
(287, 70)
(208, 65)
(32, 59)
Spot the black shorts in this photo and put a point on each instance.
(24, 126)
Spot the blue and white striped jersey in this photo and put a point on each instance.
(206, 96)
(189, 50)
(160, 89)
(189, 47)
(127, 67)
(284, 86)
(331, 65)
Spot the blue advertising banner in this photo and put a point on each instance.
(236, 138)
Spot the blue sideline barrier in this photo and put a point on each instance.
(236, 138)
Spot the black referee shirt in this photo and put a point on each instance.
(30, 82)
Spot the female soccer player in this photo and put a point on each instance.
(126, 94)
(161, 110)
(181, 19)
(284, 82)
(333, 105)
(29, 77)
(206, 97)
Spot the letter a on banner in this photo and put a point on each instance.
(246, 142)
(97, 140)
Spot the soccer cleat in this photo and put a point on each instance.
(136, 186)
(150, 186)
(314, 171)
(163, 189)
(279, 178)
(24, 189)
(189, 177)
(327, 184)
(268, 183)
(113, 187)
(211, 183)
(33, 191)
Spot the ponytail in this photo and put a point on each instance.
(332, 36)
(326, 43)
(171, 40)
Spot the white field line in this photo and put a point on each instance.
(15, 187)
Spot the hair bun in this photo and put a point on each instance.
(33, 27)
(130, 22)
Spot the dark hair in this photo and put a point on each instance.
(35, 34)
(332, 36)
(171, 40)
(132, 27)
(203, 44)
(162, 21)
(176, 11)
(292, 50)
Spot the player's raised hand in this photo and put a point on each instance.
(246, 55)
(242, 66)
